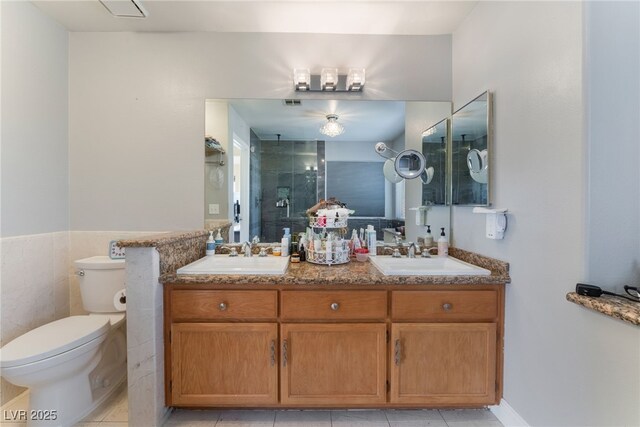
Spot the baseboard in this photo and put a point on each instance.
(507, 415)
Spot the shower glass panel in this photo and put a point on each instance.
(288, 186)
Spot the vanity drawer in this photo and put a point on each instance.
(224, 305)
(334, 305)
(444, 305)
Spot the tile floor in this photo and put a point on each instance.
(114, 413)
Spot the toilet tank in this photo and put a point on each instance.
(100, 280)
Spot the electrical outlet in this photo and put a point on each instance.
(214, 209)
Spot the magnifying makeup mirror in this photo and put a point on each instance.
(408, 164)
(427, 176)
(478, 164)
(390, 172)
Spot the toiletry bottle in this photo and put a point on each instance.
(329, 250)
(443, 244)
(211, 245)
(428, 238)
(303, 253)
(219, 239)
(371, 240)
(284, 243)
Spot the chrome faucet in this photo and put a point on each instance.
(411, 251)
(246, 248)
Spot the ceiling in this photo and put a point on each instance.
(369, 121)
(400, 17)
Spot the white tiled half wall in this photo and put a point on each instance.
(34, 287)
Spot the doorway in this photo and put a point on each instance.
(240, 194)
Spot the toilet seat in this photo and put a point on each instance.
(53, 339)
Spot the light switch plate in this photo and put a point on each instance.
(115, 251)
(214, 209)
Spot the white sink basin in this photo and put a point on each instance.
(224, 264)
(436, 266)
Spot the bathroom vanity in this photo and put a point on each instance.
(335, 337)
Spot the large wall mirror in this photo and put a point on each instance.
(470, 149)
(277, 163)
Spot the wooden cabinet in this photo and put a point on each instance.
(336, 363)
(389, 346)
(224, 364)
(443, 363)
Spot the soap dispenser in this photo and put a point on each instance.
(443, 244)
(211, 245)
(219, 240)
(428, 238)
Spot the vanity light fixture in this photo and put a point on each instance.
(329, 80)
(332, 128)
(302, 79)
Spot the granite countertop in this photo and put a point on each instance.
(612, 306)
(355, 273)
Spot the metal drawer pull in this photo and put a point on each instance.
(284, 353)
(397, 354)
(447, 306)
(273, 352)
(335, 306)
(222, 306)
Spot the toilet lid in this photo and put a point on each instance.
(52, 339)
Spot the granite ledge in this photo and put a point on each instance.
(619, 308)
(162, 239)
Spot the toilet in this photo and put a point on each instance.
(73, 364)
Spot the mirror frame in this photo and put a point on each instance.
(489, 125)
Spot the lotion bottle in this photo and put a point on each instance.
(443, 244)
(211, 245)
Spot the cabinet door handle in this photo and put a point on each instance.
(335, 306)
(397, 354)
(272, 349)
(222, 306)
(447, 306)
(284, 353)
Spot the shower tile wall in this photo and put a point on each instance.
(465, 189)
(255, 184)
(288, 169)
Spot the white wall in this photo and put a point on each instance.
(564, 365)
(35, 189)
(34, 179)
(137, 108)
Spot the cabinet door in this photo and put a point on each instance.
(445, 363)
(228, 364)
(333, 364)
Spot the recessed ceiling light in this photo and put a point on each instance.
(125, 8)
